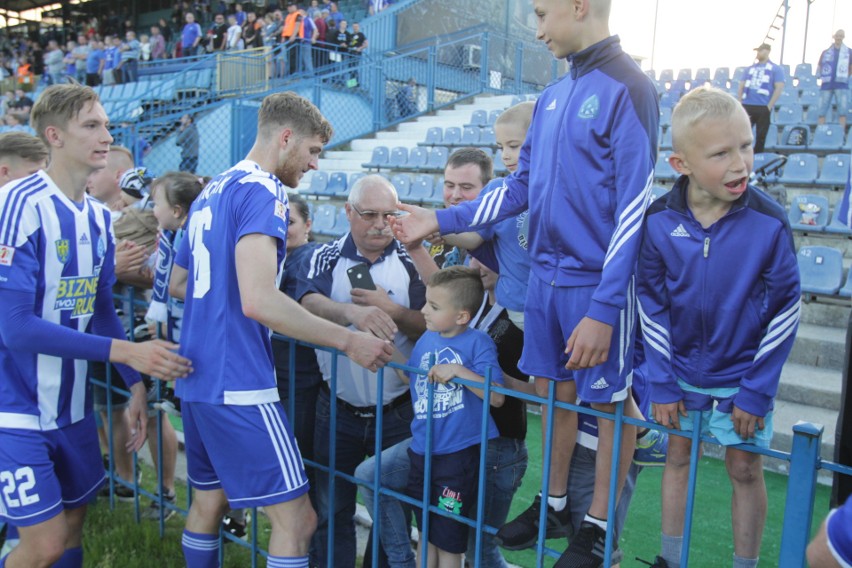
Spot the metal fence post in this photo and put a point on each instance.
(432, 62)
(519, 69)
(799, 509)
(483, 65)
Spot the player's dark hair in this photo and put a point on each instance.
(298, 113)
(465, 284)
(180, 188)
(299, 206)
(465, 156)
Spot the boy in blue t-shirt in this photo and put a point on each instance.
(719, 299)
(453, 296)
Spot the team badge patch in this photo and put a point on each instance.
(6, 255)
(63, 250)
(281, 210)
(590, 107)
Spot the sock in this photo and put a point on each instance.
(200, 550)
(71, 558)
(642, 435)
(671, 549)
(596, 521)
(557, 502)
(740, 562)
(287, 562)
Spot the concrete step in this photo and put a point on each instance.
(787, 414)
(362, 155)
(819, 346)
(826, 314)
(340, 165)
(844, 244)
(812, 386)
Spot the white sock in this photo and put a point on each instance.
(595, 521)
(557, 503)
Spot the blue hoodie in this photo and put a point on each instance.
(585, 174)
(719, 306)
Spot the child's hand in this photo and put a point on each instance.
(443, 373)
(668, 415)
(745, 424)
(588, 345)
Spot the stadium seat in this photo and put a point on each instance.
(469, 137)
(771, 141)
(437, 158)
(379, 158)
(398, 158)
(337, 183)
(809, 97)
(846, 291)
(488, 151)
(827, 137)
(422, 188)
(684, 75)
(821, 269)
(665, 117)
(702, 75)
(800, 169)
(492, 116)
(479, 117)
(319, 183)
(417, 158)
(812, 115)
(666, 139)
(790, 113)
(834, 171)
(341, 223)
(722, 74)
(803, 70)
(809, 82)
(787, 97)
(664, 171)
(452, 135)
(324, 217)
(517, 99)
(669, 99)
(666, 76)
(651, 74)
(354, 177)
(499, 166)
(657, 191)
(808, 213)
(739, 73)
(848, 145)
(764, 158)
(435, 135)
(794, 137)
(837, 226)
(402, 183)
(486, 136)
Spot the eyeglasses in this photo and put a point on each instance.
(372, 216)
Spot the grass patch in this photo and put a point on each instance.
(113, 539)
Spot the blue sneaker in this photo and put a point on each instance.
(651, 449)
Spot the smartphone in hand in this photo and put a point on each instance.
(359, 277)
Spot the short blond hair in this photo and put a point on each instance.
(697, 105)
(298, 113)
(58, 104)
(22, 146)
(520, 115)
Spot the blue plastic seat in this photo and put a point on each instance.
(812, 115)
(379, 158)
(452, 135)
(827, 137)
(684, 75)
(435, 135)
(739, 73)
(492, 116)
(821, 269)
(664, 171)
(666, 139)
(354, 177)
(422, 188)
(402, 183)
(764, 158)
(337, 183)
(470, 136)
(657, 191)
(787, 97)
(809, 82)
(834, 171)
(341, 223)
(417, 158)
(324, 217)
(437, 158)
(665, 117)
(794, 137)
(846, 291)
(800, 169)
(319, 183)
(669, 99)
(722, 74)
(499, 166)
(803, 70)
(487, 136)
(809, 97)
(808, 213)
(837, 225)
(790, 113)
(398, 158)
(666, 75)
(702, 75)
(478, 118)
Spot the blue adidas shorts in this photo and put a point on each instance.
(248, 451)
(549, 321)
(44, 472)
(716, 419)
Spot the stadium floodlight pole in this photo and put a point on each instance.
(807, 22)
(654, 34)
(784, 28)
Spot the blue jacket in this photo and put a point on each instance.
(719, 306)
(585, 174)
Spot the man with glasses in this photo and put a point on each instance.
(391, 312)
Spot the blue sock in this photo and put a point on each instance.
(287, 562)
(72, 558)
(200, 550)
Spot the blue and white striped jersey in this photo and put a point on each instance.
(57, 248)
(230, 353)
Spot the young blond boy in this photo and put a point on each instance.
(453, 297)
(718, 288)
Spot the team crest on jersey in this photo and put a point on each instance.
(101, 247)
(6, 255)
(281, 210)
(63, 250)
(590, 107)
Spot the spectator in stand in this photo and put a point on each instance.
(22, 104)
(834, 71)
(289, 26)
(314, 10)
(169, 36)
(406, 98)
(54, 61)
(24, 74)
(376, 6)
(130, 52)
(251, 31)
(37, 60)
(309, 38)
(271, 30)
(111, 57)
(187, 139)
(341, 39)
(320, 47)
(95, 62)
(190, 36)
(235, 34)
(218, 34)
(81, 54)
(763, 84)
(357, 46)
(335, 14)
(158, 44)
(144, 48)
(240, 14)
(69, 62)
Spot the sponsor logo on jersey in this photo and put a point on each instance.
(6, 255)
(552, 105)
(77, 293)
(280, 210)
(63, 250)
(590, 107)
(84, 240)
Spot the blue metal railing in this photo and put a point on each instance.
(804, 459)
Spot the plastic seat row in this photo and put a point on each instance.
(423, 159)
(483, 118)
(821, 271)
(810, 214)
(455, 136)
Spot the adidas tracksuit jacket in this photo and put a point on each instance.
(719, 306)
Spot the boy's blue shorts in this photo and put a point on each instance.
(247, 451)
(44, 472)
(716, 419)
(550, 315)
(453, 489)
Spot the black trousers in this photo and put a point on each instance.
(759, 116)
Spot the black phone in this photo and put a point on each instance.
(359, 277)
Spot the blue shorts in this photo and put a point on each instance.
(716, 420)
(44, 472)
(247, 451)
(549, 322)
(453, 489)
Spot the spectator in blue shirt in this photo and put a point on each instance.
(190, 36)
(130, 52)
(763, 84)
(112, 59)
(95, 61)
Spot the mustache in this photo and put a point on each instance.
(386, 232)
